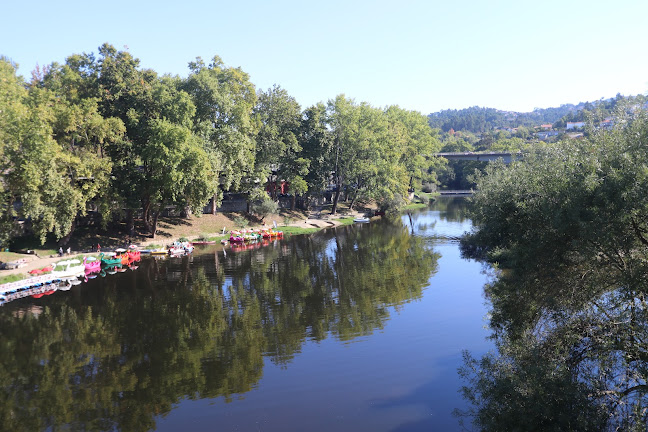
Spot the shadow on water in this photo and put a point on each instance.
(118, 352)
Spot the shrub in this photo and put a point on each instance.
(393, 205)
(264, 208)
(428, 187)
(241, 222)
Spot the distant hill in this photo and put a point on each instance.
(479, 120)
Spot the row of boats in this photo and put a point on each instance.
(253, 235)
(65, 274)
(176, 249)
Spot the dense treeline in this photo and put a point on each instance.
(478, 120)
(99, 132)
(568, 227)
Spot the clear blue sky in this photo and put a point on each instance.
(421, 55)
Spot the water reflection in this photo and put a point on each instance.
(118, 351)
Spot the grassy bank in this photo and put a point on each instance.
(12, 278)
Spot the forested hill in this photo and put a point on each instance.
(478, 119)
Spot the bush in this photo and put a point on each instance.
(393, 205)
(428, 187)
(241, 222)
(264, 208)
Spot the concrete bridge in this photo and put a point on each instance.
(490, 156)
(444, 192)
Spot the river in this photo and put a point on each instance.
(354, 328)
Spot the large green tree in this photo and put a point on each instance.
(568, 228)
(277, 149)
(316, 141)
(53, 168)
(224, 98)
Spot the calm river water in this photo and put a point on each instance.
(351, 329)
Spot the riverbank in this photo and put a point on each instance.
(193, 228)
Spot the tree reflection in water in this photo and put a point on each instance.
(118, 351)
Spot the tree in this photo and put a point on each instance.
(417, 142)
(316, 141)
(13, 121)
(277, 115)
(224, 99)
(568, 226)
(176, 171)
(53, 170)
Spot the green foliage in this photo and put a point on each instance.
(567, 227)
(224, 98)
(11, 278)
(377, 154)
(100, 133)
(241, 222)
(277, 150)
(393, 205)
(264, 207)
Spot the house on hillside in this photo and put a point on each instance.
(608, 123)
(575, 125)
(545, 135)
(545, 127)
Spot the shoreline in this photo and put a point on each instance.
(312, 221)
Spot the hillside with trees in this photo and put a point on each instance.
(479, 120)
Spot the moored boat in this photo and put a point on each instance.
(133, 253)
(123, 256)
(91, 264)
(68, 268)
(236, 237)
(110, 259)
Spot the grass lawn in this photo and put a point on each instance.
(346, 221)
(12, 278)
(415, 206)
(293, 230)
(11, 256)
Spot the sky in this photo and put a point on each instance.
(421, 55)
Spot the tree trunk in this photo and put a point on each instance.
(293, 202)
(66, 239)
(130, 223)
(146, 206)
(213, 205)
(335, 200)
(156, 215)
(355, 195)
(353, 200)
